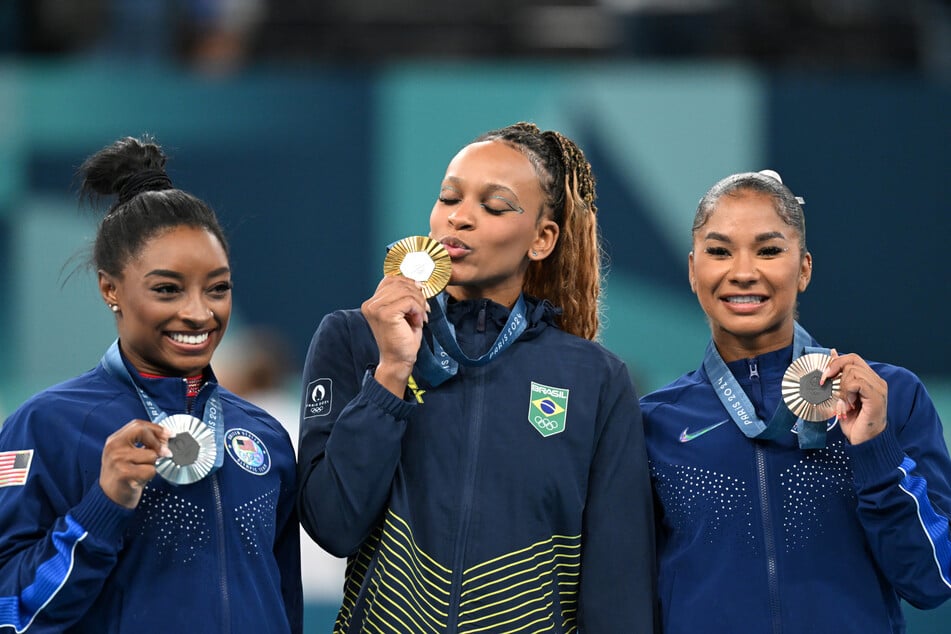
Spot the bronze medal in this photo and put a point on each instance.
(801, 390)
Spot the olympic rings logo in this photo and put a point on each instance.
(546, 423)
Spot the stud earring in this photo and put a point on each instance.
(534, 252)
(114, 307)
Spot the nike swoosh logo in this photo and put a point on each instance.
(687, 436)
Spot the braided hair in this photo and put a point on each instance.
(146, 203)
(571, 276)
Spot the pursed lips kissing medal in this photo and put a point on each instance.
(425, 260)
(193, 450)
(801, 390)
(422, 259)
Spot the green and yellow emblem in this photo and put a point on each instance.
(548, 409)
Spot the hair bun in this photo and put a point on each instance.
(146, 180)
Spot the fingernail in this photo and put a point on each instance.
(841, 409)
(165, 452)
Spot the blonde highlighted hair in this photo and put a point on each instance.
(570, 277)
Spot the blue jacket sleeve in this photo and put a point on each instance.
(349, 449)
(618, 578)
(903, 482)
(57, 544)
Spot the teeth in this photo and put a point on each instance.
(190, 339)
(745, 299)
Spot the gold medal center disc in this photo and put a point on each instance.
(422, 259)
(801, 390)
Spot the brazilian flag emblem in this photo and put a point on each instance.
(548, 408)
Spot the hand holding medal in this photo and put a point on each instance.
(862, 403)
(415, 269)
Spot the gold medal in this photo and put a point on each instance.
(801, 390)
(422, 259)
(193, 450)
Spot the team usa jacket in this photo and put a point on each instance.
(513, 497)
(221, 555)
(761, 536)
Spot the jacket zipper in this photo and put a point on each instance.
(762, 477)
(222, 562)
(772, 574)
(754, 370)
(472, 453)
(220, 525)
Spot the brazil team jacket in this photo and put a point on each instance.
(221, 555)
(761, 536)
(513, 497)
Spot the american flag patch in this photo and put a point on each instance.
(14, 467)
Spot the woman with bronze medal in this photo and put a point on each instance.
(476, 456)
(141, 496)
(798, 489)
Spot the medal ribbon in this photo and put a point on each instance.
(738, 405)
(441, 363)
(212, 416)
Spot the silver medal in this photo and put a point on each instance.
(193, 450)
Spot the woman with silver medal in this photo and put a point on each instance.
(90, 539)
(476, 456)
(798, 489)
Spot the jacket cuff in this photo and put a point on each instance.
(384, 399)
(102, 518)
(876, 459)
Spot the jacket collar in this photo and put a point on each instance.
(464, 315)
(169, 393)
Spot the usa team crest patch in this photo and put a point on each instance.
(248, 451)
(548, 409)
(15, 467)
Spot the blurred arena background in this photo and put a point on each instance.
(320, 131)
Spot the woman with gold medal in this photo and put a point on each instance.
(141, 496)
(798, 489)
(476, 456)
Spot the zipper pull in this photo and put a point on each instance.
(754, 369)
(480, 324)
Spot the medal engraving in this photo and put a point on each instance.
(801, 390)
(184, 449)
(193, 450)
(422, 259)
(811, 391)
